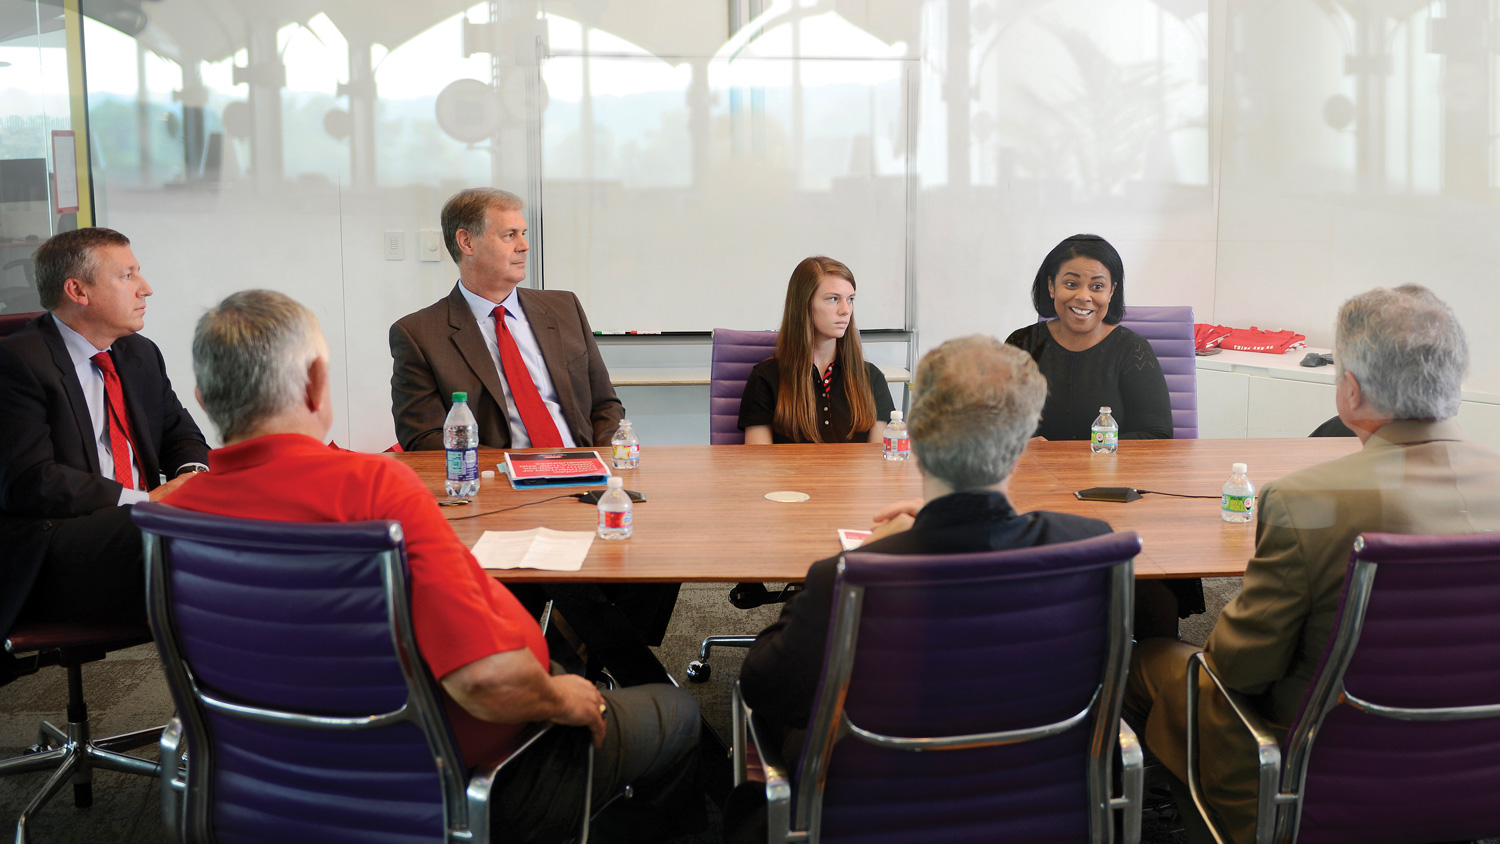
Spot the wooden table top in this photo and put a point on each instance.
(707, 519)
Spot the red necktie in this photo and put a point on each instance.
(119, 426)
(539, 425)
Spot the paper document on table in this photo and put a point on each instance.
(538, 548)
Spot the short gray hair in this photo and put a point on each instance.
(1406, 349)
(470, 210)
(975, 403)
(251, 354)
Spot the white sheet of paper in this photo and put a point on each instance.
(538, 548)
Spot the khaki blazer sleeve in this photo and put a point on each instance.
(1258, 633)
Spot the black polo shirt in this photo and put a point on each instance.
(758, 404)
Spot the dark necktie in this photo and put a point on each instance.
(539, 425)
(120, 443)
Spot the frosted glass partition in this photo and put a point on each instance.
(1362, 149)
(1258, 161)
(35, 129)
(663, 222)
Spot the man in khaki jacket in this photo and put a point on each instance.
(1401, 357)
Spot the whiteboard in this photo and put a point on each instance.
(663, 216)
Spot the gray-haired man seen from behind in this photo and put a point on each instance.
(1401, 357)
(263, 377)
(975, 403)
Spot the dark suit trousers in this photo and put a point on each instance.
(650, 743)
(93, 571)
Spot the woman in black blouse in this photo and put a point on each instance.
(1089, 359)
(818, 388)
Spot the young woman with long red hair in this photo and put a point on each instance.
(818, 388)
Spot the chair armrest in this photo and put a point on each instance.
(751, 729)
(1132, 785)
(1268, 750)
(173, 780)
(482, 781)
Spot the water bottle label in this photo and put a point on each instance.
(612, 520)
(463, 464)
(898, 445)
(1239, 504)
(1105, 437)
(627, 452)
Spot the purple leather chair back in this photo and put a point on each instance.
(1426, 640)
(298, 619)
(735, 353)
(962, 644)
(11, 323)
(1169, 330)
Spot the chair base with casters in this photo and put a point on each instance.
(71, 751)
(745, 596)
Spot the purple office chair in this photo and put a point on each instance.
(1169, 330)
(1404, 705)
(965, 698)
(304, 707)
(735, 353)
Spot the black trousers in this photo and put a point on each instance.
(650, 744)
(93, 571)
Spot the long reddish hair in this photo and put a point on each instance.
(795, 403)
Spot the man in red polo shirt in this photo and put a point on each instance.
(262, 369)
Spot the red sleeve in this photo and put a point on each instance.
(455, 614)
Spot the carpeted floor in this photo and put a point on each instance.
(126, 692)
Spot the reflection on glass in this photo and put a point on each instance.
(33, 106)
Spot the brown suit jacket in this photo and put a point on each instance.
(439, 350)
(1410, 477)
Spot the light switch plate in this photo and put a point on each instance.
(395, 246)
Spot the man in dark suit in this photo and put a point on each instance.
(90, 426)
(533, 372)
(975, 403)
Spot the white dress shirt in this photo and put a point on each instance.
(80, 351)
(520, 329)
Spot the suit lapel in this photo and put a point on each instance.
(72, 389)
(469, 341)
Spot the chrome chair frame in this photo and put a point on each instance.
(186, 783)
(830, 723)
(1283, 775)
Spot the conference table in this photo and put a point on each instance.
(706, 517)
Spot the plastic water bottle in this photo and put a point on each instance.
(897, 440)
(614, 511)
(1239, 496)
(1106, 437)
(626, 447)
(461, 441)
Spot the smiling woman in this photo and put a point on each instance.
(1089, 359)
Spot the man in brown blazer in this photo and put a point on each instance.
(1401, 358)
(457, 344)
